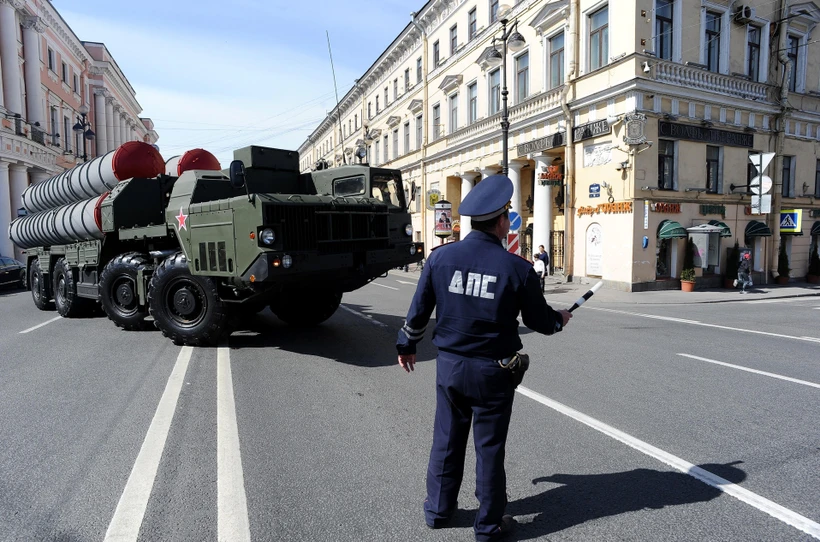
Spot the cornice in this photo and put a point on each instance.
(61, 30)
(16, 4)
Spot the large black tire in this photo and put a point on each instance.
(187, 309)
(65, 293)
(39, 289)
(118, 292)
(306, 309)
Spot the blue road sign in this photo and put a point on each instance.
(515, 221)
(595, 190)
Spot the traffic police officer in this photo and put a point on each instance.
(478, 289)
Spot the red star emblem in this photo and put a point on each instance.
(181, 218)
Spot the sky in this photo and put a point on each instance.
(221, 75)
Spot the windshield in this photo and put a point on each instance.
(350, 186)
(387, 188)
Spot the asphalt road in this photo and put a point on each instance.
(657, 423)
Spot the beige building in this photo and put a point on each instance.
(49, 78)
(631, 127)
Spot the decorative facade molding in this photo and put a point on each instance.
(32, 22)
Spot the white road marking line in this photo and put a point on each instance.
(232, 504)
(403, 282)
(773, 509)
(383, 286)
(38, 326)
(362, 315)
(125, 525)
(409, 277)
(696, 323)
(773, 375)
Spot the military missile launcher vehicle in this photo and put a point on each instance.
(194, 247)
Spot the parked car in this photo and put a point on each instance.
(12, 272)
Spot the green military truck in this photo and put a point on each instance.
(196, 249)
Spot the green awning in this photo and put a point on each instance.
(669, 229)
(815, 228)
(756, 228)
(726, 231)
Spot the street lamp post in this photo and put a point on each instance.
(83, 127)
(510, 39)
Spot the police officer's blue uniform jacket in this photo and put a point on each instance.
(479, 289)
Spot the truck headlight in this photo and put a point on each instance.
(408, 230)
(412, 249)
(287, 261)
(267, 236)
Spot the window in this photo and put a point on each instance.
(436, 121)
(436, 54)
(386, 100)
(472, 24)
(418, 70)
(599, 39)
(67, 131)
(376, 154)
(495, 92)
(712, 169)
(377, 104)
(349, 127)
(51, 62)
(666, 165)
(356, 120)
(753, 53)
(663, 28)
(55, 128)
(407, 137)
(493, 11)
(788, 177)
(369, 110)
(556, 60)
(386, 154)
(406, 79)
(396, 88)
(472, 106)
(65, 73)
(817, 180)
(713, 22)
(419, 132)
(453, 40)
(792, 52)
(751, 171)
(395, 143)
(76, 84)
(453, 113)
(522, 77)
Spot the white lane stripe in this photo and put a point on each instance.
(362, 315)
(403, 282)
(696, 323)
(383, 286)
(232, 505)
(773, 509)
(38, 326)
(747, 369)
(125, 525)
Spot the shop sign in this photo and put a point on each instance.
(663, 207)
(551, 177)
(595, 190)
(706, 135)
(713, 210)
(635, 133)
(791, 221)
(606, 208)
(541, 144)
(595, 250)
(590, 130)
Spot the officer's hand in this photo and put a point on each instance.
(565, 316)
(407, 362)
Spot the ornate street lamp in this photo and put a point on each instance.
(83, 127)
(511, 40)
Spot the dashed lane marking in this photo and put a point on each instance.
(749, 370)
(383, 286)
(364, 316)
(775, 510)
(38, 326)
(403, 282)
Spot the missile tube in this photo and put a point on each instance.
(192, 159)
(78, 221)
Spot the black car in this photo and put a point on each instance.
(12, 272)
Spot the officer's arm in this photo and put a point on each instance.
(424, 301)
(536, 314)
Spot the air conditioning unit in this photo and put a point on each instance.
(744, 14)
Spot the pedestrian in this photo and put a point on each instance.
(544, 257)
(540, 270)
(744, 273)
(478, 290)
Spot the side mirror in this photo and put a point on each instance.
(237, 174)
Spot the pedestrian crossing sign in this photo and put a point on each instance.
(791, 221)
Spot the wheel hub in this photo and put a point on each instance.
(125, 294)
(185, 302)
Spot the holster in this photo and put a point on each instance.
(518, 363)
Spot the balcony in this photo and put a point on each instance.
(694, 77)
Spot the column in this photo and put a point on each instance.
(515, 176)
(32, 28)
(100, 130)
(109, 123)
(486, 172)
(13, 98)
(117, 134)
(18, 182)
(467, 180)
(542, 208)
(6, 246)
(132, 132)
(123, 129)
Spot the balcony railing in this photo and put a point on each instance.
(693, 77)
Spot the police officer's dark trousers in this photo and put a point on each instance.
(478, 391)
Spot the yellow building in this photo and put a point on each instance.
(630, 129)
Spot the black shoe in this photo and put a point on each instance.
(504, 529)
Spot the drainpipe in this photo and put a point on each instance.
(424, 70)
(569, 146)
(780, 131)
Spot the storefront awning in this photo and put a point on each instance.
(669, 229)
(756, 228)
(815, 228)
(726, 231)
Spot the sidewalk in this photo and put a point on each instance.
(558, 290)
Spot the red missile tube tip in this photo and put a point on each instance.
(137, 159)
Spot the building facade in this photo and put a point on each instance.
(631, 128)
(49, 78)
